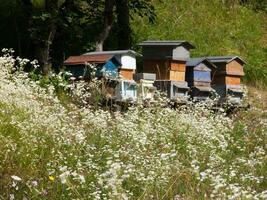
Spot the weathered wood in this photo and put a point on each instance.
(234, 68)
(198, 76)
(201, 83)
(144, 76)
(159, 67)
(175, 90)
(176, 50)
(202, 67)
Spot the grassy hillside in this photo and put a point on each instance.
(214, 28)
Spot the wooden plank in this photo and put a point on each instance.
(202, 67)
(127, 74)
(178, 65)
(177, 76)
(158, 67)
(198, 83)
(232, 80)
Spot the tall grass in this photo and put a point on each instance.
(214, 28)
(51, 151)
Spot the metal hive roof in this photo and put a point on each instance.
(225, 59)
(81, 60)
(195, 61)
(116, 52)
(167, 43)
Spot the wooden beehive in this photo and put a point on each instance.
(127, 58)
(167, 59)
(227, 78)
(106, 65)
(166, 69)
(146, 89)
(199, 77)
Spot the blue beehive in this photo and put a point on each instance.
(199, 77)
(110, 69)
(105, 65)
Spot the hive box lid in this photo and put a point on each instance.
(174, 43)
(145, 76)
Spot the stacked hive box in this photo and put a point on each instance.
(117, 67)
(146, 89)
(127, 58)
(123, 87)
(107, 65)
(198, 77)
(167, 59)
(227, 78)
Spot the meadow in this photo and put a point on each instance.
(53, 148)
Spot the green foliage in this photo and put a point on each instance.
(213, 28)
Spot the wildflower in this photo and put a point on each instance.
(51, 178)
(11, 197)
(16, 178)
(34, 183)
(63, 177)
(82, 179)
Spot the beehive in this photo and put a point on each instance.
(127, 58)
(167, 59)
(199, 77)
(227, 78)
(106, 65)
(146, 89)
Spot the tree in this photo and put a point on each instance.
(108, 21)
(124, 11)
(12, 27)
(47, 18)
(123, 21)
(50, 29)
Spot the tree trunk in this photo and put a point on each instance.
(43, 51)
(124, 28)
(108, 20)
